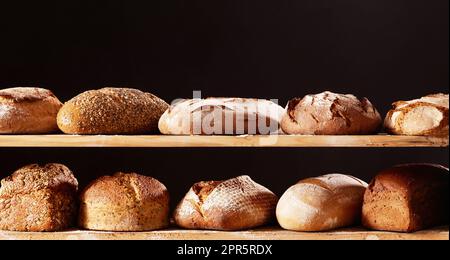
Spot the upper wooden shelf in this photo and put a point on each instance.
(220, 141)
(268, 233)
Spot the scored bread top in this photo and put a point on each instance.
(234, 204)
(329, 113)
(440, 100)
(22, 94)
(335, 181)
(129, 189)
(223, 115)
(35, 177)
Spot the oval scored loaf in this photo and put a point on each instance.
(112, 111)
(323, 203)
(221, 116)
(329, 113)
(235, 204)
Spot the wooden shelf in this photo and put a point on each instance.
(220, 141)
(441, 233)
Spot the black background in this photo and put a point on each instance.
(385, 50)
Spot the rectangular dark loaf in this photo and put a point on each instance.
(407, 198)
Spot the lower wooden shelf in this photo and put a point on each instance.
(270, 233)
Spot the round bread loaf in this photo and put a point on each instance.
(28, 111)
(321, 204)
(222, 116)
(235, 204)
(111, 111)
(124, 202)
(427, 116)
(39, 198)
(331, 114)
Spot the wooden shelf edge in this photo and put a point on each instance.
(220, 141)
(441, 233)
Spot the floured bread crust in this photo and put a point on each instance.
(329, 113)
(322, 203)
(235, 204)
(427, 116)
(28, 111)
(222, 116)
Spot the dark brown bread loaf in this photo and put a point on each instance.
(407, 198)
(112, 111)
(38, 198)
(28, 111)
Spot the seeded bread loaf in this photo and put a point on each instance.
(38, 198)
(124, 202)
(111, 111)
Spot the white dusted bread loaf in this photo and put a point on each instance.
(329, 113)
(322, 203)
(221, 116)
(235, 204)
(427, 116)
(28, 111)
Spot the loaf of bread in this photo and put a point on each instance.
(28, 111)
(235, 204)
(427, 116)
(321, 204)
(111, 111)
(331, 114)
(407, 198)
(124, 202)
(38, 198)
(222, 116)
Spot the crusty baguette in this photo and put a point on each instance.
(124, 202)
(235, 204)
(427, 116)
(328, 113)
(221, 116)
(38, 198)
(407, 198)
(28, 111)
(322, 203)
(111, 111)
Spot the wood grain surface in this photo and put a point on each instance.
(220, 141)
(441, 233)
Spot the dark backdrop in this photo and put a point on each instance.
(383, 49)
